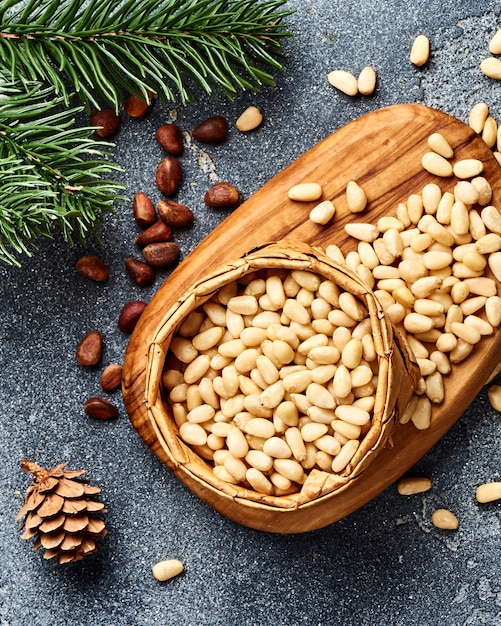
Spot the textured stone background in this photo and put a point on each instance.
(384, 564)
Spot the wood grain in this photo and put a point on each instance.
(382, 151)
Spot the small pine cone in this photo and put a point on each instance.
(60, 511)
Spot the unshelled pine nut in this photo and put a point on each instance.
(411, 485)
(445, 519)
(488, 492)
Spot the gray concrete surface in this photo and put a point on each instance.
(384, 564)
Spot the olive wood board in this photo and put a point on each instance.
(382, 151)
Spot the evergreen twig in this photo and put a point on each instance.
(138, 46)
(51, 171)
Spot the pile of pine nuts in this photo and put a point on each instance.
(427, 268)
(274, 376)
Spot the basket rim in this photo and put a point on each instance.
(318, 484)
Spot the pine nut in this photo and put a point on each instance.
(488, 492)
(356, 198)
(165, 570)
(362, 231)
(494, 395)
(491, 67)
(435, 164)
(344, 81)
(420, 51)
(444, 519)
(277, 448)
(323, 212)
(421, 418)
(468, 168)
(289, 468)
(489, 132)
(410, 486)
(478, 115)
(439, 144)
(250, 119)
(367, 81)
(258, 481)
(344, 456)
(305, 192)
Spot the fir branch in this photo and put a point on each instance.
(52, 172)
(138, 46)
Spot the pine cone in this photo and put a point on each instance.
(60, 512)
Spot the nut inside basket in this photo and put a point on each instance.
(277, 378)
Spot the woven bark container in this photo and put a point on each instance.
(313, 505)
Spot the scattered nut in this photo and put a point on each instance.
(106, 121)
(222, 195)
(130, 314)
(495, 43)
(343, 81)
(420, 51)
(156, 233)
(356, 197)
(489, 492)
(367, 81)
(494, 395)
(411, 485)
(144, 210)
(90, 350)
(169, 137)
(212, 130)
(135, 106)
(161, 255)
(164, 570)
(442, 518)
(111, 377)
(323, 212)
(305, 192)
(141, 273)
(92, 267)
(168, 175)
(477, 116)
(249, 120)
(491, 67)
(175, 214)
(100, 408)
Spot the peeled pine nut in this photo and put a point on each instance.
(439, 144)
(323, 212)
(444, 519)
(494, 395)
(356, 198)
(488, 492)
(489, 132)
(249, 120)
(420, 51)
(343, 81)
(410, 486)
(305, 192)
(491, 67)
(468, 168)
(436, 165)
(367, 81)
(164, 570)
(478, 114)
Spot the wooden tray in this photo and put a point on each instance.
(382, 151)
